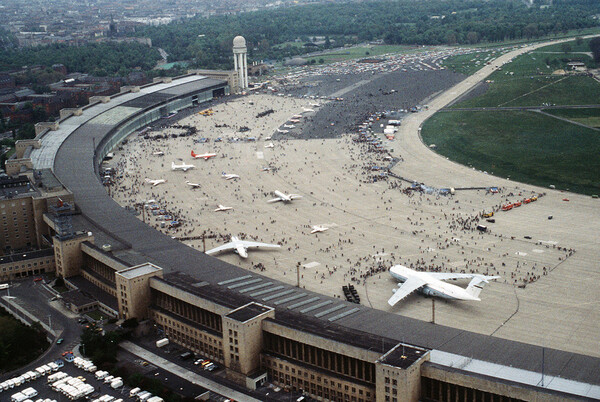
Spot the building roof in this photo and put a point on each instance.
(139, 270)
(248, 312)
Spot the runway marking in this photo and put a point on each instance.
(260, 155)
(311, 264)
(551, 242)
(537, 250)
(522, 254)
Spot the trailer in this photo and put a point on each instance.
(162, 342)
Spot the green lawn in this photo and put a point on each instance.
(363, 52)
(525, 146)
(589, 117)
(469, 63)
(528, 81)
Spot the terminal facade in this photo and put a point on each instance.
(255, 340)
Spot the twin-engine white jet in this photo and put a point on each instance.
(240, 246)
(155, 182)
(432, 284)
(284, 197)
(229, 176)
(185, 167)
(270, 145)
(192, 185)
(205, 156)
(222, 208)
(317, 229)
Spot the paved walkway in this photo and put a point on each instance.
(185, 373)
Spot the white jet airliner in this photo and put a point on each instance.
(284, 197)
(432, 284)
(241, 246)
(155, 182)
(205, 156)
(317, 229)
(185, 167)
(229, 176)
(192, 185)
(223, 208)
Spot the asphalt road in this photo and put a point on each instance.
(36, 299)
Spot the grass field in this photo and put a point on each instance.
(469, 63)
(528, 81)
(362, 52)
(589, 117)
(524, 146)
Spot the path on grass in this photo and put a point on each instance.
(432, 166)
(501, 108)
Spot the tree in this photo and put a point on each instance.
(595, 48)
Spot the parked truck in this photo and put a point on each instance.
(162, 342)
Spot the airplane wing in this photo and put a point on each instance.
(295, 196)
(275, 200)
(249, 244)
(443, 276)
(226, 246)
(405, 289)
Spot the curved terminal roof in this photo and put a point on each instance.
(72, 153)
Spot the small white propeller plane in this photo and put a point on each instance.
(282, 131)
(192, 185)
(185, 167)
(284, 197)
(229, 176)
(270, 145)
(158, 153)
(222, 208)
(317, 229)
(205, 156)
(155, 182)
(289, 126)
(240, 246)
(307, 110)
(297, 116)
(432, 284)
(294, 121)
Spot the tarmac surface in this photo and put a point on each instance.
(547, 294)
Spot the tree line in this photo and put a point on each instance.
(99, 59)
(207, 41)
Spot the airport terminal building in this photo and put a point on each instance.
(261, 330)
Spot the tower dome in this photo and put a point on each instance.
(239, 43)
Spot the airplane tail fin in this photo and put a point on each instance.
(193, 154)
(172, 165)
(477, 284)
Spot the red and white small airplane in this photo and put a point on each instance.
(205, 156)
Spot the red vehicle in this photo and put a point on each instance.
(507, 207)
(39, 278)
(527, 200)
(517, 204)
(565, 199)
